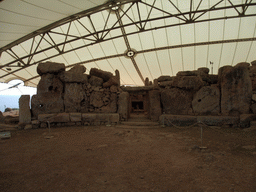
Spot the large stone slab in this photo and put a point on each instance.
(78, 69)
(236, 89)
(112, 81)
(164, 78)
(123, 105)
(54, 118)
(49, 83)
(75, 99)
(50, 67)
(207, 101)
(154, 105)
(46, 103)
(24, 109)
(245, 120)
(71, 77)
(218, 120)
(177, 120)
(102, 74)
(96, 81)
(75, 117)
(188, 82)
(177, 101)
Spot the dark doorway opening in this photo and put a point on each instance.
(137, 106)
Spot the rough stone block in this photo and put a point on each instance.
(71, 77)
(154, 105)
(50, 67)
(24, 109)
(112, 81)
(236, 89)
(207, 101)
(46, 103)
(177, 101)
(164, 78)
(188, 82)
(49, 83)
(75, 117)
(245, 120)
(78, 69)
(178, 120)
(54, 118)
(102, 74)
(96, 81)
(218, 120)
(123, 105)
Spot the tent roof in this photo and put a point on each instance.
(140, 38)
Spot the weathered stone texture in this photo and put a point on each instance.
(204, 69)
(75, 99)
(49, 83)
(46, 103)
(50, 67)
(54, 118)
(236, 90)
(71, 77)
(188, 82)
(75, 117)
(154, 105)
(24, 109)
(96, 81)
(245, 120)
(78, 69)
(207, 101)
(102, 74)
(164, 78)
(112, 81)
(165, 84)
(176, 101)
(123, 105)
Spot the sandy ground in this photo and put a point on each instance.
(104, 158)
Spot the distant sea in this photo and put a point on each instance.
(11, 101)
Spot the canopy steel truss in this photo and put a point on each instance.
(94, 35)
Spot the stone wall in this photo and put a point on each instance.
(60, 91)
(230, 93)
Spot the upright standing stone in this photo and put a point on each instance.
(154, 105)
(207, 101)
(123, 105)
(146, 83)
(117, 73)
(236, 90)
(24, 110)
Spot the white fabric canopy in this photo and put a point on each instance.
(146, 38)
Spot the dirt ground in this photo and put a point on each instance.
(101, 158)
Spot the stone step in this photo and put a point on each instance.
(136, 127)
(139, 120)
(139, 123)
